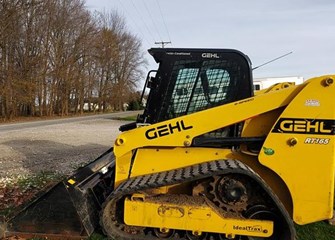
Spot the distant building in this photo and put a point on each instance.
(261, 83)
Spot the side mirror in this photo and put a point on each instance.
(150, 82)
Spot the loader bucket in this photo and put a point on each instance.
(69, 209)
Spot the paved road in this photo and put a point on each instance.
(41, 123)
(59, 145)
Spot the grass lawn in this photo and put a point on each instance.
(316, 231)
(130, 118)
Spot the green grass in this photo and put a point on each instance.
(38, 180)
(97, 236)
(23, 188)
(316, 231)
(129, 118)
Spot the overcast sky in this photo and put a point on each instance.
(262, 29)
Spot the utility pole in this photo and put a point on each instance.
(163, 43)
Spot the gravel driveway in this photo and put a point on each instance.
(59, 147)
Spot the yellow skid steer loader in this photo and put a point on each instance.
(207, 159)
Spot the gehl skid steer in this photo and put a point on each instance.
(207, 159)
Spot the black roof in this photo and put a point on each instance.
(159, 53)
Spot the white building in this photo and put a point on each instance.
(261, 83)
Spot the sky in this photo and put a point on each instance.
(262, 29)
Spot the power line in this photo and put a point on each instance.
(134, 22)
(153, 21)
(145, 25)
(166, 28)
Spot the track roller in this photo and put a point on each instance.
(195, 235)
(164, 232)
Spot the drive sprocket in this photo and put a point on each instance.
(231, 193)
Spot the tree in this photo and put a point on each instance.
(120, 59)
(56, 56)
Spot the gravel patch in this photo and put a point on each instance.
(58, 148)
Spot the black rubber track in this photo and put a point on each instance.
(183, 175)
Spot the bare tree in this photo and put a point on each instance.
(120, 59)
(55, 57)
(10, 32)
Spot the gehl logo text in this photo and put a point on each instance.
(305, 126)
(210, 55)
(166, 129)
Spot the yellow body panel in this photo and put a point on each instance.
(195, 218)
(122, 168)
(296, 170)
(150, 160)
(308, 166)
(198, 123)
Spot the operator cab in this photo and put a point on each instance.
(191, 80)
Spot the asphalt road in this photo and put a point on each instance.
(59, 145)
(41, 123)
